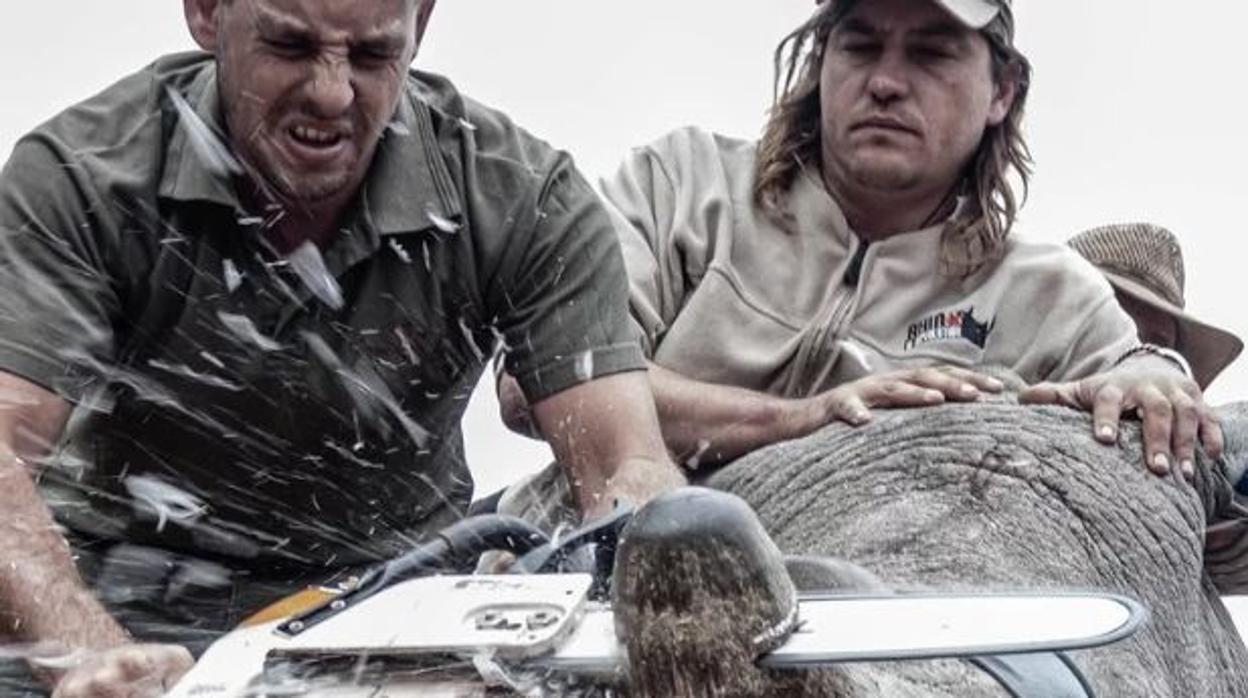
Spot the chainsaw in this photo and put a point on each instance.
(548, 626)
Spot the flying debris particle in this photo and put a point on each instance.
(44, 654)
(187, 372)
(367, 390)
(692, 462)
(398, 128)
(243, 328)
(350, 457)
(500, 339)
(468, 125)
(399, 251)
(472, 342)
(584, 366)
(446, 225)
(275, 217)
(233, 277)
(250, 220)
(407, 347)
(309, 266)
(212, 359)
(428, 263)
(209, 146)
(162, 500)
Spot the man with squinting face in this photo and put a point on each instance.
(244, 296)
(306, 96)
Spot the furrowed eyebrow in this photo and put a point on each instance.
(383, 43)
(272, 24)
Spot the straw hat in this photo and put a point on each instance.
(1144, 261)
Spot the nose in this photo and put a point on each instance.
(888, 82)
(330, 88)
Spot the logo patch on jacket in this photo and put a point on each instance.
(954, 324)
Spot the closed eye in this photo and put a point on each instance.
(928, 53)
(373, 55)
(290, 47)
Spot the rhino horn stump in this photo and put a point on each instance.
(700, 592)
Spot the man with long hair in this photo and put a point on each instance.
(859, 255)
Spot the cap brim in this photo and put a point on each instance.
(1207, 348)
(975, 14)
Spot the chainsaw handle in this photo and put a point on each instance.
(453, 549)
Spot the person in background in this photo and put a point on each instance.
(1144, 265)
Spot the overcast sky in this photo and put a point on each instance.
(1135, 112)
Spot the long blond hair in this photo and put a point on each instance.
(791, 139)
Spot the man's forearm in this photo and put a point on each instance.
(606, 435)
(702, 423)
(43, 601)
(705, 423)
(42, 597)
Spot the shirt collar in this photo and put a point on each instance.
(187, 175)
(408, 188)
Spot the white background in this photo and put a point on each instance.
(1137, 111)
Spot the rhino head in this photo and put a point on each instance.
(995, 496)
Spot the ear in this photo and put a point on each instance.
(423, 12)
(1006, 91)
(202, 19)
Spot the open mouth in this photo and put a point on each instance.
(310, 137)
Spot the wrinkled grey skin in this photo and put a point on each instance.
(1001, 497)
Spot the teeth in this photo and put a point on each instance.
(312, 135)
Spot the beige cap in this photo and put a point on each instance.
(1144, 261)
(975, 14)
(979, 15)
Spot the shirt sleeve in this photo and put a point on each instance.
(57, 302)
(564, 292)
(1068, 323)
(639, 200)
(1106, 334)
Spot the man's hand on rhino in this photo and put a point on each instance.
(1170, 404)
(920, 387)
(126, 671)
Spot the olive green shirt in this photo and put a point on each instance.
(235, 401)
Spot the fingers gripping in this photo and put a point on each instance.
(894, 392)
(1158, 416)
(850, 408)
(1211, 432)
(1107, 406)
(133, 671)
(1185, 432)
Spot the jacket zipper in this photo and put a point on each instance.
(815, 372)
